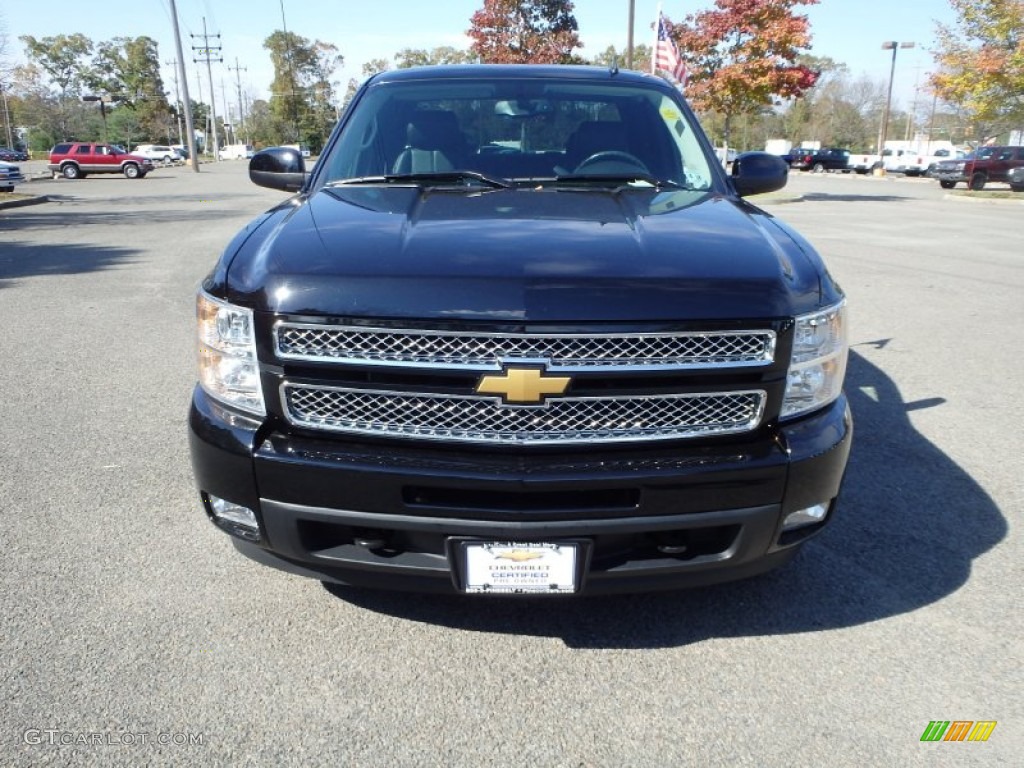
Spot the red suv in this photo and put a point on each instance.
(982, 166)
(76, 160)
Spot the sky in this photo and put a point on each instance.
(848, 31)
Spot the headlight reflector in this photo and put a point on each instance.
(818, 363)
(228, 369)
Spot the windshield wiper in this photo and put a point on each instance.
(620, 178)
(431, 177)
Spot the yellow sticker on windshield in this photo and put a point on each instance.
(669, 114)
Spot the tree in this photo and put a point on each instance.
(641, 58)
(302, 93)
(525, 32)
(370, 68)
(64, 59)
(742, 55)
(128, 69)
(981, 63)
(125, 128)
(421, 57)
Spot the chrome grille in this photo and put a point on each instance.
(561, 421)
(482, 351)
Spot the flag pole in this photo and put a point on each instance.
(654, 48)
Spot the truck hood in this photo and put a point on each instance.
(531, 255)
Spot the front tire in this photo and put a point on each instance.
(131, 171)
(70, 171)
(946, 184)
(978, 181)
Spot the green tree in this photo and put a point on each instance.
(742, 56)
(370, 68)
(64, 59)
(128, 69)
(125, 128)
(421, 57)
(302, 101)
(525, 32)
(261, 124)
(610, 55)
(980, 63)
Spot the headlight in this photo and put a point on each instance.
(818, 363)
(228, 369)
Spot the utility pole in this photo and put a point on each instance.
(177, 98)
(291, 76)
(911, 117)
(208, 51)
(227, 114)
(180, 72)
(241, 109)
(7, 116)
(629, 36)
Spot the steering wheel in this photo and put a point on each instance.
(612, 156)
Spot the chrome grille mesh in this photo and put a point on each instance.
(487, 351)
(564, 420)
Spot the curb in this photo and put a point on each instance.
(24, 202)
(997, 200)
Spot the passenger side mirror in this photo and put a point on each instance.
(754, 173)
(278, 168)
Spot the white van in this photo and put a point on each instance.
(236, 152)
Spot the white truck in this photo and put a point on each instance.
(922, 163)
(913, 158)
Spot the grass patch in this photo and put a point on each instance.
(993, 194)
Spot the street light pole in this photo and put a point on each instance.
(890, 45)
(629, 36)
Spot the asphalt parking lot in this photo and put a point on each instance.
(133, 634)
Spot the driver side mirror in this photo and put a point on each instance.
(278, 168)
(754, 173)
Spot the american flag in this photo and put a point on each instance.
(666, 55)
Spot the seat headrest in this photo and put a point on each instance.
(433, 129)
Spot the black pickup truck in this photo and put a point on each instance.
(517, 332)
(820, 160)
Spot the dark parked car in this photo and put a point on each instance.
(519, 332)
(76, 160)
(983, 165)
(820, 160)
(9, 155)
(1016, 179)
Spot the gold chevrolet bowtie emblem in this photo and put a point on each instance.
(522, 385)
(519, 556)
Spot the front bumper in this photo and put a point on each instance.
(943, 175)
(717, 506)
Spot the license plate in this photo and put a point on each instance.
(520, 568)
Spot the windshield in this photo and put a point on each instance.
(520, 130)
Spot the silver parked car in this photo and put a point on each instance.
(9, 176)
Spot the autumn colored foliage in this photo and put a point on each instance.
(742, 54)
(525, 32)
(981, 63)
